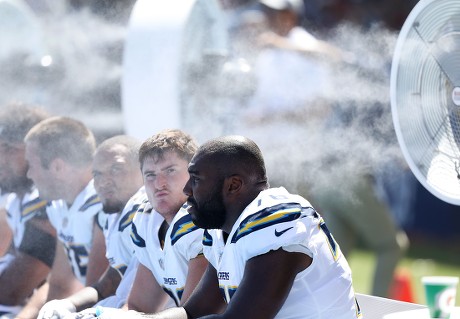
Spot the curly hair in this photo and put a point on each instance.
(170, 140)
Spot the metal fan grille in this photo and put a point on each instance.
(425, 94)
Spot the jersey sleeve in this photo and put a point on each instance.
(287, 226)
(190, 245)
(138, 237)
(186, 237)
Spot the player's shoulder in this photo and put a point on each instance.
(145, 220)
(143, 211)
(275, 196)
(183, 227)
(33, 206)
(88, 199)
(26, 207)
(137, 200)
(272, 207)
(135, 203)
(92, 201)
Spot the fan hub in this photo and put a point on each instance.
(456, 96)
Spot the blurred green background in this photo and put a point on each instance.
(424, 258)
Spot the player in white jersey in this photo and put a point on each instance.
(33, 244)
(60, 151)
(274, 220)
(270, 253)
(167, 243)
(74, 226)
(20, 210)
(118, 182)
(25, 231)
(169, 260)
(120, 248)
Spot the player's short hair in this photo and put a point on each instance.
(64, 138)
(132, 145)
(170, 140)
(234, 154)
(16, 119)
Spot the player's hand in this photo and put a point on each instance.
(56, 309)
(89, 313)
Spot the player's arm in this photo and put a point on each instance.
(196, 268)
(146, 294)
(97, 262)
(22, 276)
(105, 287)
(205, 299)
(273, 273)
(7, 234)
(35, 302)
(31, 264)
(62, 280)
(61, 283)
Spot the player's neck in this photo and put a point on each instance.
(75, 189)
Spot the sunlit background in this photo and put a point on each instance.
(67, 56)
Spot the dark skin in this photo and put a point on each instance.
(239, 189)
(280, 266)
(242, 181)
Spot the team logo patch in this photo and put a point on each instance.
(182, 227)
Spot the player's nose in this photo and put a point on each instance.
(187, 189)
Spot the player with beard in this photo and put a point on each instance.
(118, 182)
(270, 253)
(31, 239)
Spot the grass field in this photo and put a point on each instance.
(423, 259)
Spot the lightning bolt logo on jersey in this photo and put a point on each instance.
(169, 264)
(277, 219)
(74, 226)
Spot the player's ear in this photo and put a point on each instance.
(233, 184)
(57, 165)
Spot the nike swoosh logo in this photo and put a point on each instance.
(279, 233)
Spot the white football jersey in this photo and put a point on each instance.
(117, 233)
(121, 294)
(120, 248)
(19, 211)
(183, 242)
(274, 220)
(3, 199)
(74, 226)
